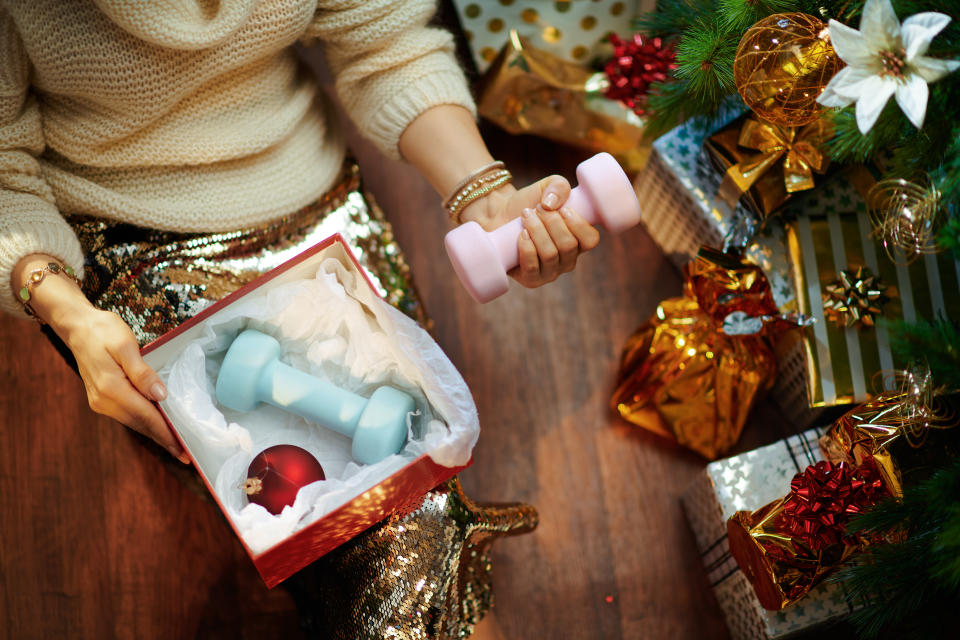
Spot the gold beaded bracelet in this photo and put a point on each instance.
(475, 186)
(35, 277)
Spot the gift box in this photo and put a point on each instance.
(842, 271)
(764, 164)
(694, 371)
(748, 481)
(571, 30)
(330, 323)
(678, 192)
(530, 91)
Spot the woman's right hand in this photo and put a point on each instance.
(119, 383)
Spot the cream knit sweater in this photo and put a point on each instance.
(194, 115)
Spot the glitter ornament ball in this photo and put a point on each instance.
(276, 475)
(782, 65)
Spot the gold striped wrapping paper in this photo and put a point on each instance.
(834, 233)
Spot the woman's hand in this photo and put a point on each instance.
(444, 144)
(119, 383)
(553, 236)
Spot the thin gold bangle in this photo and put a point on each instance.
(478, 193)
(35, 277)
(496, 165)
(479, 187)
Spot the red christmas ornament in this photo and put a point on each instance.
(636, 64)
(276, 475)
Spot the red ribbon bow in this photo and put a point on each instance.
(825, 497)
(635, 65)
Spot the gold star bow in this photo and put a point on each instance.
(855, 299)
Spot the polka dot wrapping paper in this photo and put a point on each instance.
(574, 30)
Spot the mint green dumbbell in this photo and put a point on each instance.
(252, 373)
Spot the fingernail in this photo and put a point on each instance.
(551, 200)
(527, 212)
(158, 391)
(566, 212)
(184, 458)
(525, 234)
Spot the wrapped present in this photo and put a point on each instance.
(694, 371)
(531, 91)
(791, 544)
(678, 191)
(902, 434)
(743, 482)
(763, 164)
(847, 282)
(572, 31)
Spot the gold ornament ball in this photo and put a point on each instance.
(782, 65)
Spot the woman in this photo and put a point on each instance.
(194, 116)
(161, 124)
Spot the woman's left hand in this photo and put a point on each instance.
(554, 235)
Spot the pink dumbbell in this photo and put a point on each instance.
(483, 258)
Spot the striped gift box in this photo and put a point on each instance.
(749, 481)
(833, 233)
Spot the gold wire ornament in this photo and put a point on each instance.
(906, 217)
(918, 410)
(782, 65)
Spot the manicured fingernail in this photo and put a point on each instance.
(527, 212)
(551, 200)
(566, 212)
(158, 392)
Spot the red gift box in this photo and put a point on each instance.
(305, 545)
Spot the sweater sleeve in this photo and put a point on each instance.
(29, 219)
(388, 66)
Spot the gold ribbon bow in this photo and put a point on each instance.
(799, 148)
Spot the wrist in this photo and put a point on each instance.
(49, 290)
(486, 211)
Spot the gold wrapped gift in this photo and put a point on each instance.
(694, 371)
(902, 434)
(530, 91)
(763, 163)
(788, 546)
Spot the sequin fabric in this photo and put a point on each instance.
(157, 279)
(424, 574)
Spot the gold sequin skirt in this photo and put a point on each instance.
(423, 573)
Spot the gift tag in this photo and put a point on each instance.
(738, 323)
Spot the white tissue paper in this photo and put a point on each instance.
(354, 341)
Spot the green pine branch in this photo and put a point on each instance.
(935, 343)
(910, 589)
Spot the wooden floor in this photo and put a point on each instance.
(98, 539)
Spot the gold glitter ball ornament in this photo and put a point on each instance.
(782, 65)
(855, 299)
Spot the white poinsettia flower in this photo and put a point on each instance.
(883, 59)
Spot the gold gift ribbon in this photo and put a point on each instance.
(800, 149)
